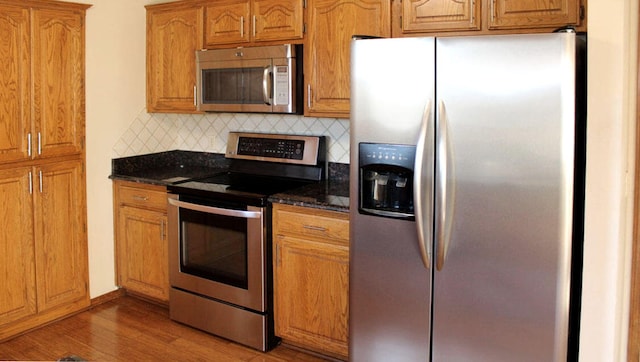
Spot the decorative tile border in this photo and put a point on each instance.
(158, 132)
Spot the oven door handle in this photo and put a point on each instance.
(216, 210)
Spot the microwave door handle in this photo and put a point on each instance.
(266, 85)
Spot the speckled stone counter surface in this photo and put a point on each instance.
(332, 194)
(165, 168)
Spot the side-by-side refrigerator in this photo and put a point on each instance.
(467, 189)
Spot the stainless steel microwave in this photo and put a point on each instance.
(263, 79)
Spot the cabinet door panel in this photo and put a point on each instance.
(17, 264)
(227, 22)
(506, 14)
(440, 15)
(15, 119)
(311, 302)
(332, 24)
(58, 82)
(142, 260)
(61, 240)
(276, 20)
(172, 39)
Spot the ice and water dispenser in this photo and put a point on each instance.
(386, 180)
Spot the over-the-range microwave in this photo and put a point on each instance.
(263, 79)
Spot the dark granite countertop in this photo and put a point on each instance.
(165, 168)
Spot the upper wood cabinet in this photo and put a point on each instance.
(244, 21)
(174, 33)
(504, 14)
(486, 16)
(331, 26)
(41, 82)
(424, 15)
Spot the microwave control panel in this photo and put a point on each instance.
(281, 77)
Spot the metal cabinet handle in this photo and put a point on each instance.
(29, 144)
(254, 26)
(39, 143)
(140, 198)
(309, 95)
(40, 175)
(242, 26)
(30, 183)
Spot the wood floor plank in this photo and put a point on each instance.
(130, 329)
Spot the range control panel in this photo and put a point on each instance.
(297, 149)
(271, 147)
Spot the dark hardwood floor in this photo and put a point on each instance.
(130, 329)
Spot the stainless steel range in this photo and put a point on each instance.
(220, 235)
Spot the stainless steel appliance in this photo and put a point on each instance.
(265, 79)
(467, 159)
(219, 228)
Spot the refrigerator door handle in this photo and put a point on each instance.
(445, 191)
(423, 185)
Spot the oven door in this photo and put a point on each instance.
(218, 250)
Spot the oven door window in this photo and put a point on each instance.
(214, 247)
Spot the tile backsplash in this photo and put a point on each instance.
(158, 132)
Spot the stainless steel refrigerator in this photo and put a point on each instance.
(467, 181)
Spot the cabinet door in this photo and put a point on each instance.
(276, 20)
(60, 234)
(58, 82)
(506, 14)
(15, 102)
(311, 302)
(142, 252)
(332, 24)
(227, 22)
(173, 36)
(440, 15)
(17, 264)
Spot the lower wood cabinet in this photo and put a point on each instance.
(311, 278)
(141, 239)
(43, 244)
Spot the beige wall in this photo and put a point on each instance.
(116, 95)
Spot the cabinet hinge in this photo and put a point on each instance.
(304, 28)
(582, 12)
(304, 4)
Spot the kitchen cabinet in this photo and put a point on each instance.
(44, 243)
(245, 21)
(311, 278)
(141, 239)
(174, 33)
(43, 234)
(486, 16)
(330, 28)
(41, 80)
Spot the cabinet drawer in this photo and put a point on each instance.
(147, 196)
(311, 222)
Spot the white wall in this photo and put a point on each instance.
(610, 140)
(116, 95)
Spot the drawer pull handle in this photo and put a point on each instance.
(315, 228)
(140, 198)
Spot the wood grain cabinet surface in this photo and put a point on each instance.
(311, 278)
(245, 21)
(142, 264)
(174, 33)
(412, 17)
(43, 233)
(41, 81)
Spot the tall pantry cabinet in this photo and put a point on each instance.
(43, 238)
